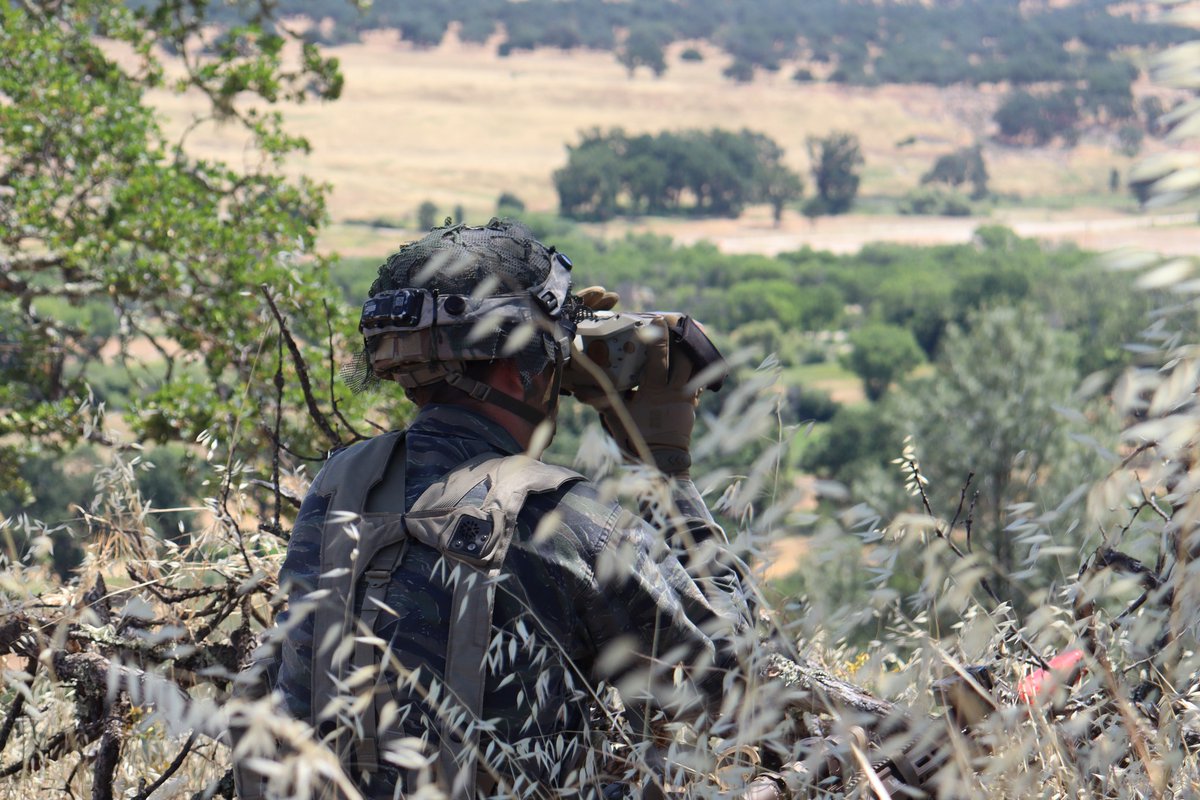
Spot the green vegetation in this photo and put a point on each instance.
(132, 274)
(959, 168)
(881, 353)
(426, 215)
(713, 173)
(643, 47)
(161, 309)
(508, 204)
(934, 200)
(978, 41)
(989, 409)
(836, 160)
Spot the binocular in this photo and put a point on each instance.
(616, 344)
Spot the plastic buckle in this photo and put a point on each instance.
(367, 756)
(480, 391)
(377, 577)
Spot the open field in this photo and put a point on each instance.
(458, 125)
(1174, 233)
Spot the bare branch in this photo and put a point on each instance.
(17, 708)
(332, 397)
(109, 753)
(171, 769)
(314, 410)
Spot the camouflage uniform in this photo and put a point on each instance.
(599, 577)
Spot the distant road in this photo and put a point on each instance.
(1092, 229)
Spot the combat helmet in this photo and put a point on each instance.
(465, 294)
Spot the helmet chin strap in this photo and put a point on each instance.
(490, 394)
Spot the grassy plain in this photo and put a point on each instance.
(458, 125)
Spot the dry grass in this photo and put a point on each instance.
(458, 125)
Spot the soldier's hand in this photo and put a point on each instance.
(653, 423)
(597, 298)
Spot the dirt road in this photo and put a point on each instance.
(1092, 229)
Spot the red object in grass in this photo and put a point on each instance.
(1065, 668)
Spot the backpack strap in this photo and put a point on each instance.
(369, 545)
(377, 577)
(383, 543)
(478, 538)
(346, 481)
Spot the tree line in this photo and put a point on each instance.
(849, 41)
(701, 173)
(1066, 64)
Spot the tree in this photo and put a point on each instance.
(1024, 118)
(857, 437)
(100, 211)
(1152, 109)
(960, 167)
(740, 70)
(882, 353)
(1129, 139)
(103, 219)
(835, 162)
(781, 186)
(990, 409)
(1142, 188)
(643, 47)
(714, 172)
(510, 202)
(427, 215)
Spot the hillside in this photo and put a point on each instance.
(458, 125)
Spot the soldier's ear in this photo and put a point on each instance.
(504, 375)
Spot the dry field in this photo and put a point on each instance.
(458, 125)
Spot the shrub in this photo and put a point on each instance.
(507, 201)
(427, 215)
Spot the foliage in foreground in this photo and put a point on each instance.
(120, 679)
(126, 261)
(116, 682)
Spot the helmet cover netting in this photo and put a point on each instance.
(502, 258)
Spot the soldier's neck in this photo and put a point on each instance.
(504, 377)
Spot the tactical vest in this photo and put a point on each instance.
(365, 539)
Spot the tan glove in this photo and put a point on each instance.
(653, 423)
(597, 298)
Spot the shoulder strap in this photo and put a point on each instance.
(360, 545)
(346, 480)
(353, 473)
(478, 537)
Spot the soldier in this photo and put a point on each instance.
(444, 588)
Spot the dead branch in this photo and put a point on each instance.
(171, 769)
(17, 708)
(333, 398)
(816, 691)
(310, 400)
(222, 787)
(109, 753)
(54, 749)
